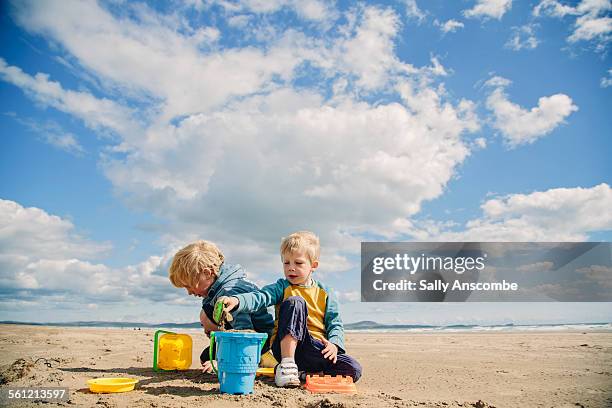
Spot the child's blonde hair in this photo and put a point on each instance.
(302, 240)
(196, 258)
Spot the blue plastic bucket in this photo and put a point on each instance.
(237, 359)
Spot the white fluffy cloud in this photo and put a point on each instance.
(593, 22)
(36, 244)
(135, 54)
(43, 257)
(521, 126)
(367, 50)
(559, 214)
(449, 26)
(553, 8)
(312, 10)
(151, 56)
(345, 164)
(489, 9)
(522, 38)
(588, 28)
(97, 113)
(329, 158)
(27, 230)
(413, 10)
(64, 141)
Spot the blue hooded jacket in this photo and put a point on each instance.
(232, 281)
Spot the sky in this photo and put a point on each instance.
(130, 129)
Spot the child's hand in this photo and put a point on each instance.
(330, 351)
(230, 303)
(207, 367)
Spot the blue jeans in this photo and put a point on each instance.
(292, 319)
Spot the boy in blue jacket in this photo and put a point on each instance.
(308, 333)
(201, 270)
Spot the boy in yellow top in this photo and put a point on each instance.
(308, 333)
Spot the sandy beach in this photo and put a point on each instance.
(509, 369)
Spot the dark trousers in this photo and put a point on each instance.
(292, 319)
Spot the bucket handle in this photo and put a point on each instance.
(210, 352)
(156, 346)
(212, 346)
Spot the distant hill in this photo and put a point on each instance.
(370, 325)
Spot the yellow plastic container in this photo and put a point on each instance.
(104, 385)
(172, 351)
(265, 371)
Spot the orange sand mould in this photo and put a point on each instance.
(323, 384)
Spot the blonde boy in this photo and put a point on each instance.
(201, 269)
(308, 333)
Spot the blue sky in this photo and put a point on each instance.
(129, 130)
